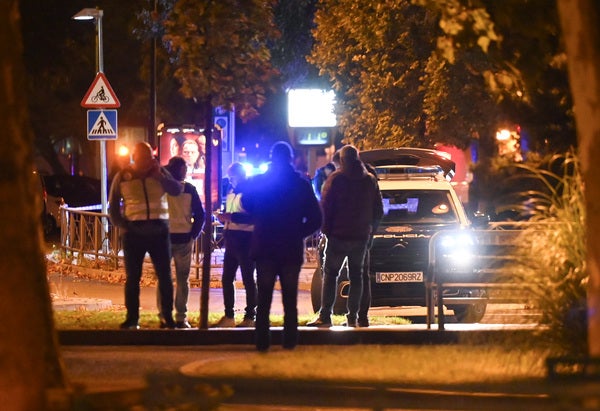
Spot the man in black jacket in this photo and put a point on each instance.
(352, 209)
(285, 211)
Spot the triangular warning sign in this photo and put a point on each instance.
(102, 127)
(100, 94)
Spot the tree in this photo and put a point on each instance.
(477, 66)
(30, 359)
(580, 21)
(374, 54)
(219, 50)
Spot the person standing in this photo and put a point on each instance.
(186, 218)
(237, 232)
(138, 206)
(320, 176)
(352, 209)
(285, 211)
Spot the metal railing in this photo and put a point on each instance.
(85, 241)
(494, 256)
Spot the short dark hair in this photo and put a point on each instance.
(174, 167)
(282, 152)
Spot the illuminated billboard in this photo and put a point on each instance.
(311, 108)
(189, 142)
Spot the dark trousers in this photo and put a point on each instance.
(150, 237)
(237, 254)
(267, 272)
(336, 251)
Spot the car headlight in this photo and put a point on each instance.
(457, 251)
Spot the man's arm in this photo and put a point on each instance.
(168, 183)
(313, 215)
(377, 206)
(114, 203)
(197, 212)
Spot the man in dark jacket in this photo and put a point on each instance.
(352, 209)
(285, 211)
(186, 218)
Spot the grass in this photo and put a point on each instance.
(110, 319)
(372, 364)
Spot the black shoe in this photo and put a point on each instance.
(363, 322)
(182, 324)
(319, 322)
(262, 348)
(167, 324)
(129, 325)
(350, 321)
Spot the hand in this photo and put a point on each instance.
(223, 217)
(154, 170)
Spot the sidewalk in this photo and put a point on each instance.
(82, 287)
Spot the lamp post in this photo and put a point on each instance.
(96, 15)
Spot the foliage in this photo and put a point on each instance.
(220, 54)
(375, 55)
(523, 63)
(425, 71)
(557, 276)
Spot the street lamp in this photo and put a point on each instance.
(96, 14)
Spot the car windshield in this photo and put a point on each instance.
(417, 207)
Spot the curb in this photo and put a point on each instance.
(377, 335)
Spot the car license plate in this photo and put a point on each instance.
(403, 277)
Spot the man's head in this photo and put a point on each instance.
(190, 152)
(328, 168)
(177, 168)
(236, 173)
(282, 153)
(348, 155)
(142, 156)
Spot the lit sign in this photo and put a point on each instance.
(312, 136)
(311, 108)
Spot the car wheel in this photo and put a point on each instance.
(470, 313)
(316, 286)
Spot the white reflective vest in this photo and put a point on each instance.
(144, 199)
(180, 213)
(233, 204)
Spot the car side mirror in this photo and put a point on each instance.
(480, 220)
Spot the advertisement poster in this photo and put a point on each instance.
(190, 144)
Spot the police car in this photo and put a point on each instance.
(419, 204)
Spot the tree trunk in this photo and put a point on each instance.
(29, 357)
(580, 20)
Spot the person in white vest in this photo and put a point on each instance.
(238, 233)
(138, 206)
(186, 218)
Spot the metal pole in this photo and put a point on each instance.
(103, 165)
(152, 120)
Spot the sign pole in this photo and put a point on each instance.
(103, 162)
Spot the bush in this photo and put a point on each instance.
(552, 251)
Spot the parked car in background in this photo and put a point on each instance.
(72, 191)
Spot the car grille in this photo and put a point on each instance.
(399, 253)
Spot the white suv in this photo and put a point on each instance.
(419, 202)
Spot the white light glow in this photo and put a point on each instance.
(311, 108)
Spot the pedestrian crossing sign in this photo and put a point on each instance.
(102, 124)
